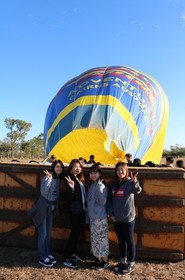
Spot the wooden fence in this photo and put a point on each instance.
(160, 208)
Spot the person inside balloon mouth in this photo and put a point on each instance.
(91, 160)
(129, 160)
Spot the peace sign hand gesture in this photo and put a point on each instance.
(133, 177)
(49, 175)
(70, 182)
(100, 181)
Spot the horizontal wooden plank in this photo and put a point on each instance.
(19, 192)
(157, 228)
(7, 215)
(17, 204)
(22, 180)
(167, 187)
(165, 214)
(144, 172)
(159, 201)
(159, 255)
(12, 229)
(165, 241)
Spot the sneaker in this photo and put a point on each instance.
(102, 265)
(77, 259)
(52, 259)
(128, 269)
(120, 266)
(71, 263)
(95, 263)
(46, 262)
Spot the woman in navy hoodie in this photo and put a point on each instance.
(121, 210)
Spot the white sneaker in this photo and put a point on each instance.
(71, 263)
(52, 259)
(46, 262)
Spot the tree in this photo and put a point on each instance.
(37, 146)
(18, 131)
(4, 149)
(175, 151)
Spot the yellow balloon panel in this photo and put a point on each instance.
(90, 141)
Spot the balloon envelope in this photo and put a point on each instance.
(107, 112)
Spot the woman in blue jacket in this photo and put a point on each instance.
(96, 211)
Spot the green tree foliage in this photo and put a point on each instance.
(37, 147)
(15, 145)
(18, 129)
(34, 148)
(4, 149)
(175, 151)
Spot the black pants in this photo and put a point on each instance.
(77, 227)
(125, 235)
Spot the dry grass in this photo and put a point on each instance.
(17, 263)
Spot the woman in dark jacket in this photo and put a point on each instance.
(76, 195)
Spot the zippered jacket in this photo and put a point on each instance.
(120, 204)
(96, 201)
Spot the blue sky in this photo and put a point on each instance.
(44, 43)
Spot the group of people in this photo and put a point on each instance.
(94, 205)
(169, 162)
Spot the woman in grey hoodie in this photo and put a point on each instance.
(121, 210)
(96, 204)
(44, 209)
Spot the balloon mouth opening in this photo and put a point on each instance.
(84, 142)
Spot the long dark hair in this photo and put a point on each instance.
(124, 165)
(54, 163)
(79, 176)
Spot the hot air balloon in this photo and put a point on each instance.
(107, 112)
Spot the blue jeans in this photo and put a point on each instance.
(44, 237)
(125, 235)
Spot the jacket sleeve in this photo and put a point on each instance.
(45, 186)
(136, 188)
(38, 212)
(70, 192)
(101, 194)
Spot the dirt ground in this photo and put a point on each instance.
(22, 264)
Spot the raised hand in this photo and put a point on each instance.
(70, 182)
(133, 177)
(49, 175)
(100, 181)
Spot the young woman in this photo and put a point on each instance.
(121, 210)
(96, 204)
(76, 195)
(45, 208)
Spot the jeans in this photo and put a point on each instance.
(125, 235)
(44, 237)
(77, 227)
